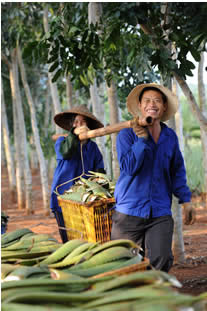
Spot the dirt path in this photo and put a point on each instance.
(193, 274)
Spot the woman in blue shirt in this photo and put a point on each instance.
(70, 163)
(151, 171)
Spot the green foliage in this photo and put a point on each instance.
(73, 47)
(185, 27)
(117, 48)
(194, 167)
(18, 22)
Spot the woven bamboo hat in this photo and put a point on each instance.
(65, 119)
(133, 100)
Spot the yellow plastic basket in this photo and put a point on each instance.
(90, 221)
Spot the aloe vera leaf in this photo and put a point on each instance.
(6, 269)
(120, 242)
(70, 261)
(149, 292)
(56, 297)
(63, 251)
(24, 272)
(14, 235)
(26, 307)
(138, 278)
(88, 272)
(82, 248)
(107, 255)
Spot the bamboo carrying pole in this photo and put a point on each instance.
(110, 129)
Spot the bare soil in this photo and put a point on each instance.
(192, 274)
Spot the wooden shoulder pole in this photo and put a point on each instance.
(110, 129)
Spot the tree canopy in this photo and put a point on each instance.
(118, 44)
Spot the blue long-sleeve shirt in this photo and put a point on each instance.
(69, 169)
(149, 174)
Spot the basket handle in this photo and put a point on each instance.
(83, 172)
(78, 177)
(56, 191)
(71, 229)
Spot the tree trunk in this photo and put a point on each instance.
(53, 86)
(42, 163)
(69, 93)
(69, 89)
(34, 163)
(203, 107)
(179, 119)
(17, 142)
(94, 15)
(114, 118)
(22, 134)
(95, 12)
(98, 111)
(19, 163)
(202, 120)
(47, 113)
(178, 243)
(7, 148)
(3, 155)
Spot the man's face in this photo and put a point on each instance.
(79, 121)
(152, 104)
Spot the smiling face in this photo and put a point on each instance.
(152, 104)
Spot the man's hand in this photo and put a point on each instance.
(189, 213)
(140, 131)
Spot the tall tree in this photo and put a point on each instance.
(178, 243)
(69, 88)
(53, 86)
(19, 136)
(42, 163)
(7, 147)
(114, 118)
(203, 108)
(94, 16)
(22, 133)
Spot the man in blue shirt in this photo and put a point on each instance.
(151, 171)
(73, 157)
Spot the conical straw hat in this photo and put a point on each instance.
(133, 100)
(65, 119)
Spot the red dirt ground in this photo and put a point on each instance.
(192, 274)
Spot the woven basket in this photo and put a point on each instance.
(90, 221)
